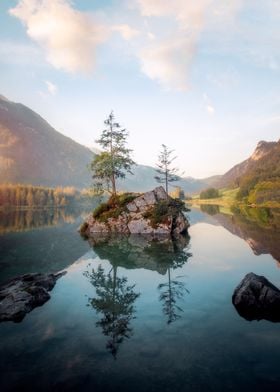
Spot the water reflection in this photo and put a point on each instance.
(155, 253)
(115, 301)
(25, 220)
(172, 291)
(210, 209)
(114, 296)
(259, 227)
(39, 241)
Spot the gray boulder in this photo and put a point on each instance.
(24, 293)
(136, 218)
(256, 298)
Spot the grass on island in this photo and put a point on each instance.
(114, 206)
(159, 213)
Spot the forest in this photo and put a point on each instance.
(29, 196)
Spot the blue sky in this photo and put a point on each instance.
(201, 76)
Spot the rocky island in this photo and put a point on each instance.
(152, 212)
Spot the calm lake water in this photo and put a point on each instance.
(133, 314)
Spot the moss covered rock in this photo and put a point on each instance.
(153, 212)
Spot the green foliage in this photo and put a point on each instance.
(261, 184)
(115, 160)
(113, 207)
(210, 193)
(264, 192)
(163, 210)
(210, 209)
(29, 196)
(166, 173)
(261, 216)
(83, 229)
(126, 198)
(99, 210)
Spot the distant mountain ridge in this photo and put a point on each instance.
(235, 174)
(33, 152)
(143, 180)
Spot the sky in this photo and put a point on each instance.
(200, 76)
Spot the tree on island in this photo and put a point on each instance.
(166, 173)
(114, 160)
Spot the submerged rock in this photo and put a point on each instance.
(255, 298)
(24, 293)
(153, 212)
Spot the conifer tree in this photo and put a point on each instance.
(166, 173)
(115, 159)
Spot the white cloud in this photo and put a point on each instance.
(69, 37)
(189, 14)
(165, 36)
(169, 58)
(210, 109)
(126, 31)
(52, 88)
(208, 105)
(168, 62)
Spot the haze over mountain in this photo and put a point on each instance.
(33, 152)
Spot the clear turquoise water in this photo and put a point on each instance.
(115, 328)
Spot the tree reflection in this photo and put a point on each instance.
(210, 209)
(172, 291)
(115, 301)
(115, 298)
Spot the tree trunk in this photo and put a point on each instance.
(114, 190)
(113, 180)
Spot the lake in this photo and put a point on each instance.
(136, 314)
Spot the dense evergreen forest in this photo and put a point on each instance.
(29, 196)
(261, 184)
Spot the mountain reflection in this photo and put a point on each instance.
(259, 227)
(115, 301)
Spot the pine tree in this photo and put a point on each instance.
(166, 173)
(114, 160)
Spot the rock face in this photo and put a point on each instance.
(24, 293)
(135, 218)
(255, 298)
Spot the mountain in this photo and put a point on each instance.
(143, 180)
(32, 152)
(263, 154)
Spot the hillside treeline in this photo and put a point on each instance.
(36, 196)
(261, 184)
